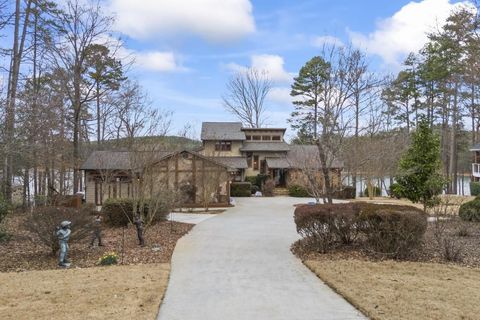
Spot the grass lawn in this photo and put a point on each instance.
(116, 292)
(404, 290)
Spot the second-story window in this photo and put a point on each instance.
(276, 138)
(223, 146)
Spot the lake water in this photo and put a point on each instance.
(463, 184)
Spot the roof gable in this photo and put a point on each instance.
(222, 131)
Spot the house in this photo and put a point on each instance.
(254, 151)
(476, 162)
(230, 153)
(121, 174)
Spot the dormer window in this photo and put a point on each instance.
(223, 146)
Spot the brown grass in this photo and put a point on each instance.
(404, 290)
(116, 292)
(452, 201)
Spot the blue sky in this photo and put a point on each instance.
(187, 49)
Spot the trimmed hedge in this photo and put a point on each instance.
(297, 191)
(241, 189)
(470, 211)
(395, 231)
(475, 188)
(119, 212)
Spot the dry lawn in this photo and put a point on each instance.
(116, 292)
(404, 290)
(452, 201)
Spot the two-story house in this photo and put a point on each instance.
(254, 151)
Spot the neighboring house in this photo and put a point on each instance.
(476, 163)
(229, 153)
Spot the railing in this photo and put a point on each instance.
(476, 169)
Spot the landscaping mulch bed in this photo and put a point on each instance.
(21, 254)
(430, 251)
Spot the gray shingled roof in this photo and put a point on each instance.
(222, 131)
(108, 160)
(118, 160)
(302, 155)
(232, 162)
(250, 146)
(277, 163)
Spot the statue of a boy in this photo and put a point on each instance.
(63, 234)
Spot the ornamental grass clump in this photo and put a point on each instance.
(108, 259)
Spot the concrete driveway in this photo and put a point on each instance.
(238, 265)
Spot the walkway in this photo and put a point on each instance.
(238, 265)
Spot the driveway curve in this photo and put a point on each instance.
(238, 265)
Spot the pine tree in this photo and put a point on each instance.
(420, 179)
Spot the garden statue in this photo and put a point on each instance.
(63, 234)
(97, 231)
(139, 224)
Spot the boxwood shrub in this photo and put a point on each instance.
(241, 189)
(394, 231)
(470, 211)
(475, 188)
(297, 191)
(119, 212)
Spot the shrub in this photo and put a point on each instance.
(388, 229)
(260, 179)
(108, 259)
(393, 230)
(187, 193)
(347, 192)
(4, 236)
(377, 192)
(240, 189)
(42, 223)
(475, 188)
(118, 212)
(252, 180)
(314, 224)
(297, 191)
(392, 190)
(268, 188)
(470, 211)
(4, 208)
(254, 189)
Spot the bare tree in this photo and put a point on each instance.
(78, 27)
(245, 97)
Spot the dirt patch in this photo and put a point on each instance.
(116, 292)
(403, 290)
(20, 254)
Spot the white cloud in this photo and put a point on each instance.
(273, 65)
(320, 41)
(280, 95)
(214, 20)
(158, 61)
(406, 31)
